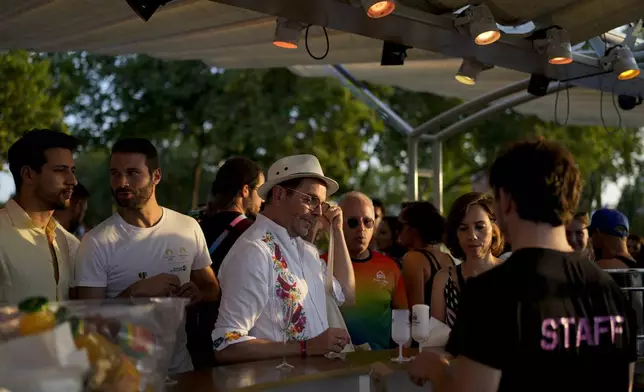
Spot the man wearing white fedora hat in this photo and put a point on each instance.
(271, 267)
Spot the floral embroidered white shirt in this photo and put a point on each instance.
(263, 267)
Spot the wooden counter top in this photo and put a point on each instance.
(256, 376)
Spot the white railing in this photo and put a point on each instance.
(633, 272)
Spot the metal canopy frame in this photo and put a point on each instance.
(436, 33)
(475, 110)
(460, 126)
(431, 130)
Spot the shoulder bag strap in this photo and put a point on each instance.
(223, 235)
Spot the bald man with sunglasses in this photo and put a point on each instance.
(379, 284)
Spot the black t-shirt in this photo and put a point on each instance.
(550, 321)
(214, 226)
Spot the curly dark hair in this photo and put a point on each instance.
(455, 217)
(542, 179)
(426, 219)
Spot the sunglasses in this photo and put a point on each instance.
(353, 222)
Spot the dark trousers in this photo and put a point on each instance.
(200, 322)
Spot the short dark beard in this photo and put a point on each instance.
(55, 203)
(140, 197)
(60, 206)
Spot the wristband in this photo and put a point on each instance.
(303, 351)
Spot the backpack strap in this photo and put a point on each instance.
(223, 235)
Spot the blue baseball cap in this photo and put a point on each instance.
(611, 222)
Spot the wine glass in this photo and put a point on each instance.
(420, 324)
(400, 331)
(285, 308)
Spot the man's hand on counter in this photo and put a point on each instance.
(333, 339)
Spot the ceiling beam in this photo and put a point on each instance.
(436, 33)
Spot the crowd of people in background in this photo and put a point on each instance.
(512, 272)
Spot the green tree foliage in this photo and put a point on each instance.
(261, 114)
(198, 116)
(631, 203)
(603, 155)
(92, 171)
(26, 97)
(465, 155)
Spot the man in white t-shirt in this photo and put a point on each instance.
(145, 250)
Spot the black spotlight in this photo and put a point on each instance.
(628, 102)
(146, 8)
(538, 85)
(393, 53)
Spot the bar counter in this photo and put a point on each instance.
(313, 374)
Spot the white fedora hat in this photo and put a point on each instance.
(296, 166)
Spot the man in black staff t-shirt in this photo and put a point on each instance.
(546, 319)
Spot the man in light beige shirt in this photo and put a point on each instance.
(37, 254)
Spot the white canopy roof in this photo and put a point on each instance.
(238, 34)
(437, 76)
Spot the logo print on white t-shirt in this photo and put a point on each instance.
(181, 268)
(183, 254)
(169, 255)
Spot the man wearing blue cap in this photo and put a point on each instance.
(609, 231)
